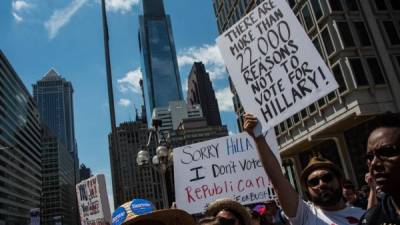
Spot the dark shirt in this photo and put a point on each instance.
(382, 214)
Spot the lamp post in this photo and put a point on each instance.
(160, 161)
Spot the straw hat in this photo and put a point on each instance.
(142, 212)
(230, 205)
(163, 217)
(317, 163)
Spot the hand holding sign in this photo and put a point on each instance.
(273, 64)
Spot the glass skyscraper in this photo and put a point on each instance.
(159, 63)
(53, 96)
(20, 149)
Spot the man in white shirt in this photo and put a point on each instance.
(322, 180)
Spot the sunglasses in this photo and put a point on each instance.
(326, 178)
(383, 153)
(226, 221)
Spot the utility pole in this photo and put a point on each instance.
(114, 137)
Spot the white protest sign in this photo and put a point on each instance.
(273, 64)
(227, 167)
(93, 203)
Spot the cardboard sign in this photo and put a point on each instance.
(273, 64)
(227, 167)
(93, 203)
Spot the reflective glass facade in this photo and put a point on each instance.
(159, 63)
(58, 198)
(20, 155)
(53, 96)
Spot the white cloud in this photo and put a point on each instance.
(18, 8)
(19, 5)
(17, 17)
(122, 6)
(131, 81)
(185, 86)
(124, 102)
(224, 98)
(61, 17)
(209, 55)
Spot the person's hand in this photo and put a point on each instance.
(368, 179)
(252, 125)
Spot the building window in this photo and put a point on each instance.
(312, 108)
(380, 5)
(321, 102)
(316, 6)
(335, 5)
(289, 122)
(351, 5)
(376, 71)
(358, 71)
(307, 17)
(282, 127)
(296, 118)
(318, 46)
(331, 96)
(327, 41)
(345, 33)
(338, 74)
(395, 4)
(362, 34)
(292, 3)
(304, 113)
(276, 130)
(391, 32)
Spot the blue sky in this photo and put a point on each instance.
(66, 35)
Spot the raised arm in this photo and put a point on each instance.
(288, 197)
(372, 199)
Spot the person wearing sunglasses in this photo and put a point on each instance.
(321, 178)
(230, 212)
(383, 160)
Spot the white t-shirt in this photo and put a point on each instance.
(309, 214)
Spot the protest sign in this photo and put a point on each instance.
(227, 167)
(94, 208)
(273, 64)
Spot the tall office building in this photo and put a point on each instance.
(200, 91)
(58, 196)
(53, 96)
(173, 115)
(361, 45)
(130, 180)
(20, 154)
(158, 57)
(84, 172)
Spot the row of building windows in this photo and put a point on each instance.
(352, 5)
(366, 72)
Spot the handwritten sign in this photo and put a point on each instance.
(227, 167)
(273, 64)
(93, 201)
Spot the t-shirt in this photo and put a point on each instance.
(381, 214)
(309, 214)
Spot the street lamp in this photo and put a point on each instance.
(161, 161)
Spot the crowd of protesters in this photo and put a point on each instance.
(330, 199)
